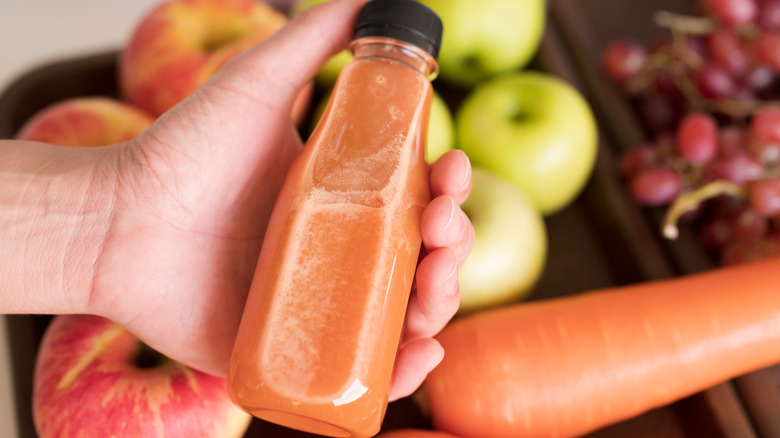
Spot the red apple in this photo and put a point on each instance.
(85, 121)
(95, 379)
(179, 44)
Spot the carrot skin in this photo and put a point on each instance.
(415, 433)
(568, 366)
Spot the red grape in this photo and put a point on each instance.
(765, 196)
(734, 12)
(622, 60)
(664, 84)
(740, 251)
(769, 14)
(714, 82)
(658, 112)
(758, 78)
(635, 160)
(697, 138)
(748, 224)
(716, 233)
(725, 206)
(728, 51)
(657, 185)
(768, 49)
(767, 152)
(739, 169)
(765, 124)
(731, 141)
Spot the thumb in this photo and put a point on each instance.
(273, 72)
(251, 97)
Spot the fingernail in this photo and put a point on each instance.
(466, 175)
(450, 282)
(438, 358)
(456, 225)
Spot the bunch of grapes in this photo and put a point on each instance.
(706, 94)
(727, 178)
(722, 61)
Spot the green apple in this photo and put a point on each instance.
(510, 245)
(488, 37)
(533, 129)
(441, 129)
(441, 126)
(327, 75)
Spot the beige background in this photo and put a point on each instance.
(35, 32)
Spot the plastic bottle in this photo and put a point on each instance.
(321, 327)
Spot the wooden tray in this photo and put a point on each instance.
(603, 239)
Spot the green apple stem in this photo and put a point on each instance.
(689, 201)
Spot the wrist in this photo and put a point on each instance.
(55, 210)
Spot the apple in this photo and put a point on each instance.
(486, 38)
(93, 378)
(441, 129)
(440, 136)
(510, 244)
(534, 130)
(327, 75)
(179, 44)
(85, 121)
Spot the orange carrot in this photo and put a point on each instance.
(415, 433)
(568, 366)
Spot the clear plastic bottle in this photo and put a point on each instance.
(320, 330)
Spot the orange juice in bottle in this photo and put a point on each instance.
(319, 334)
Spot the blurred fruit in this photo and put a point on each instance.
(441, 129)
(94, 378)
(510, 246)
(623, 60)
(656, 185)
(712, 83)
(733, 12)
(85, 121)
(485, 38)
(697, 138)
(179, 44)
(534, 130)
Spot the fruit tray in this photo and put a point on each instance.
(603, 239)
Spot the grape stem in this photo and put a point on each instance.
(682, 27)
(737, 108)
(689, 201)
(685, 24)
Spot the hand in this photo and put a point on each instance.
(194, 194)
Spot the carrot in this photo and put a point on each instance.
(415, 433)
(568, 366)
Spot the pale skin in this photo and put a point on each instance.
(162, 233)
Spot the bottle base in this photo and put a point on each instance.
(298, 422)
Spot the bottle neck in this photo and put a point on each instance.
(396, 50)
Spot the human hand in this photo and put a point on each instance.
(194, 194)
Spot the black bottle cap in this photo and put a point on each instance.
(405, 20)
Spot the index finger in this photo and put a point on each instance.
(451, 176)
